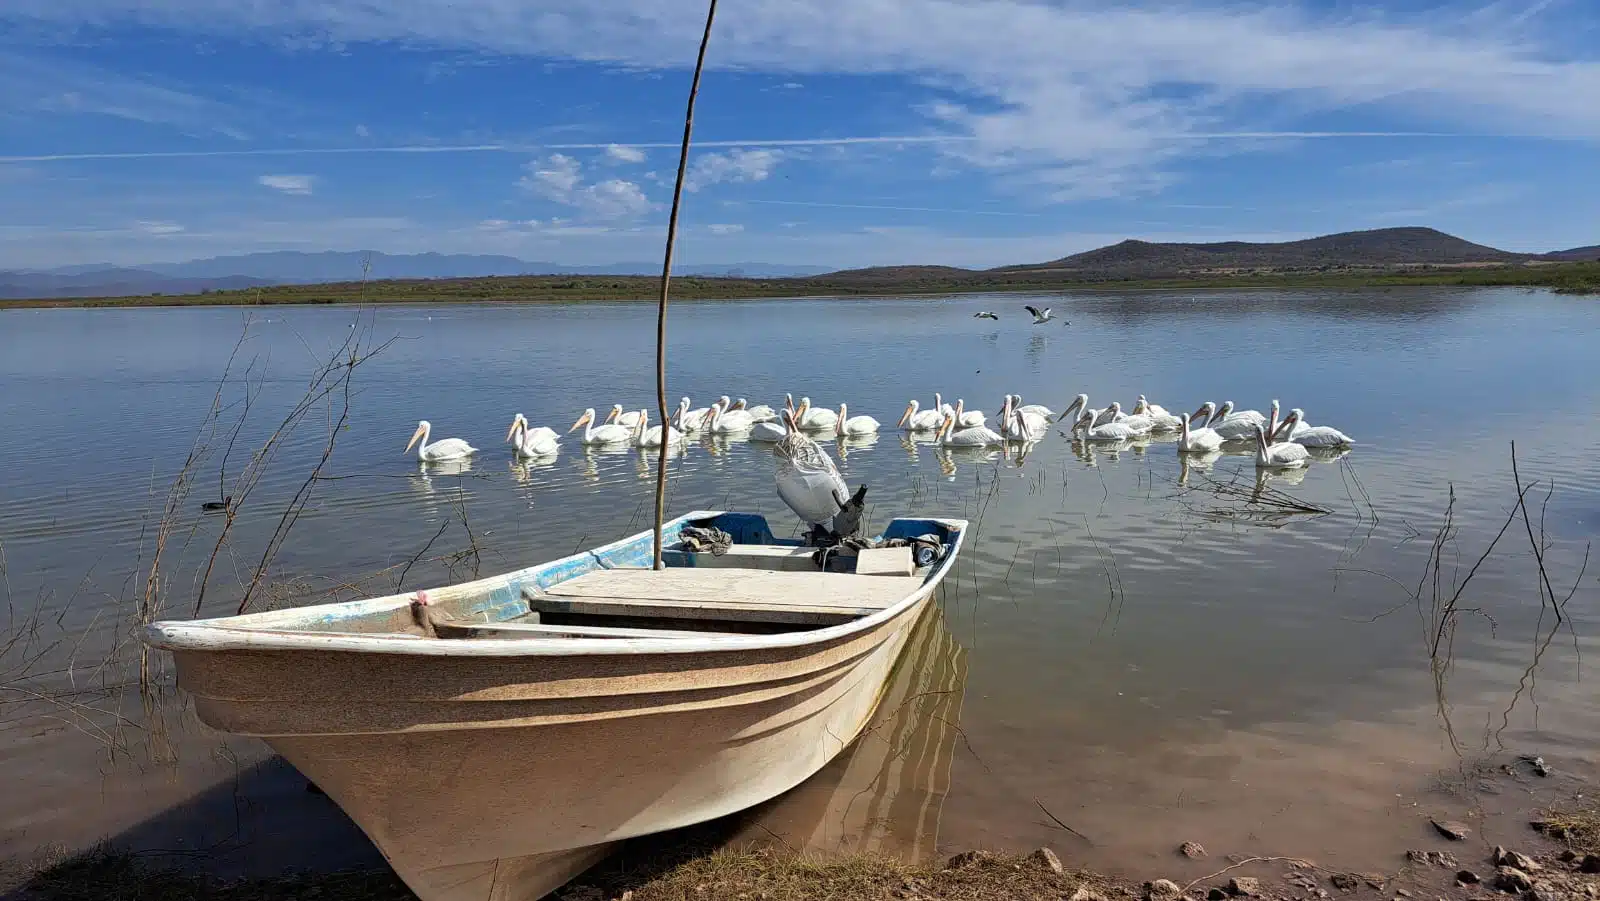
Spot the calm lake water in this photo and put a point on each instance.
(1149, 657)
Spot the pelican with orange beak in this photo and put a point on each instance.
(916, 420)
(438, 451)
(608, 433)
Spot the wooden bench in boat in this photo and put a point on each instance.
(789, 558)
(715, 593)
(448, 629)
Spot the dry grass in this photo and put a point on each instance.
(730, 875)
(1578, 828)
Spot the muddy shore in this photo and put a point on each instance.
(1506, 826)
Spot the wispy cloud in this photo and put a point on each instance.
(288, 184)
(733, 167)
(879, 206)
(722, 228)
(559, 178)
(46, 86)
(620, 153)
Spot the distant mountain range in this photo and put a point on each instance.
(1130, 259)
(297, 268)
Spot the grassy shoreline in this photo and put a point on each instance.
(1563, 278)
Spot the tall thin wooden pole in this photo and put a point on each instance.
(666, 280)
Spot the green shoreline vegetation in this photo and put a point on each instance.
(1562, 278)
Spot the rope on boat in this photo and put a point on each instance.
(703, 539)
(926, 550)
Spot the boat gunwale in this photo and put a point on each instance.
(213, 634)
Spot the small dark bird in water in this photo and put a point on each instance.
(216, 506)
(987, 314)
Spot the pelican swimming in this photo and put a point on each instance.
(1040, 317)
(769, 432)
(1235, 425)
(646, 435)
(807, 479)
(759, 412)
(438, 451)
(967, 419)
(1111, 431)
(1078, 405)
(916, 419)
(1285, 455)
(808, 418)
(975, 436)
(609, 433)
(1296, 429)
(1159, 417)
(1019, 426)
(532, 442)
(727, 422)
(1197, 441)
(1030, 410)
(854, 426)
(986, 314)
(1138, 422)
(628, 421)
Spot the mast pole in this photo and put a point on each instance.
(666, 279)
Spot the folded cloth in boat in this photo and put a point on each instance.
(701, 539)
(925, 549)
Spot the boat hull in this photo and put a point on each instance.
(501, 778)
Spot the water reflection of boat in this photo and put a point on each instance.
(883, 794)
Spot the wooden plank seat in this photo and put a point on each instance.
(780, 557)
(750, 595)
(447, 629)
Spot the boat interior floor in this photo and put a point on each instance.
(760, 589)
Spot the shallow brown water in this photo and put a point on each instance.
(1149, 662)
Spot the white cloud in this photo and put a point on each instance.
(733, 167)
(724, 229)
(619, 153)
(288, 184)
(559, 178)
(158, 228)
(363, 132)
(1084, 98)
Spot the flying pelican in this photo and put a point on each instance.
(609, 433)
(530, 442)
(814, 419)
(1296, 429)
(1111, 431)
(1198, 441)
(854, 426)
(647, 435)
(807, 479)
(1286, 455)
(914, 421)
(977, 436)
(629, 421)
(1040, 317)
(986, 314)
(438, 451)
(759, 412)
(724, 421)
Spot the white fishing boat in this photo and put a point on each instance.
(495, 738)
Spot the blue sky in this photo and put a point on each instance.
(830, 132)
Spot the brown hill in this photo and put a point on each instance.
(1577, 254)
(1378, 247)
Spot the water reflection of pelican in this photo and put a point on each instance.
(849, 443)
(1284, 477)
(1196, 463)
(445, 467)
(648, 455)
(522, 468)
(912, 442)
(884, 794)
(1328, 454)
(950, 458)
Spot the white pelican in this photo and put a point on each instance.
(1030, 409)
(1111, 431)
(808, 481)
(967, 419)
(759, 412)
(628, 421)
(609, 433)
(531, 442)
(854, 426)
(438, 451)
(1040, 317)
(976, 436)
(647, 435)
(771, 431)
(1286, 455)
(1159, 417)
(1078, 405)
(1140, 423)
(916, 419)
(692, 420)
(1197, 441)
(986, 314)
(1233, 426)
(1296, 429)
(807, 418)
(1018, 425)
(724, 422)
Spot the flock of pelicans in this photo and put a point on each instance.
(1279, 443)
(810, 483)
